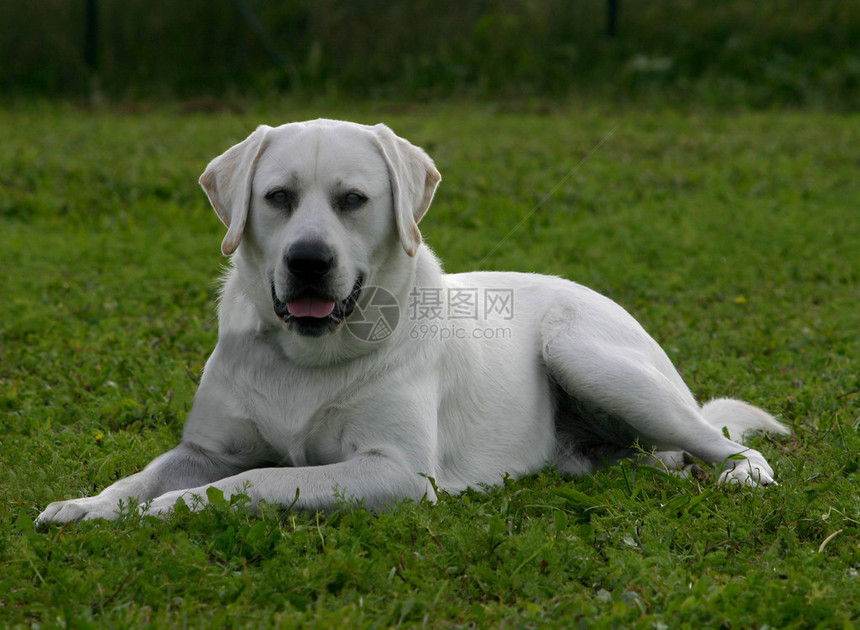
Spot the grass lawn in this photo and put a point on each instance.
(734, 238)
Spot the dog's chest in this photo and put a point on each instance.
(301, 414)
(296, 423)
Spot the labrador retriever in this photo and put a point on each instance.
(349, 366)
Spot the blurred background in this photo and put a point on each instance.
(770, 53)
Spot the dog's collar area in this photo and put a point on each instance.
(317, 326)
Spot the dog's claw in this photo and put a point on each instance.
(84, 509)
(753, 470)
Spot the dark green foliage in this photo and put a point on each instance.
(759, 54)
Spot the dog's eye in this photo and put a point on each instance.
(281, 198)
(351, 201)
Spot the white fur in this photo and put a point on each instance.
(566, 377)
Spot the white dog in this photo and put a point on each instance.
(349, 365)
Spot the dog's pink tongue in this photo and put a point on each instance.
(310, 307)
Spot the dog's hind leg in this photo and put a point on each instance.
(607, 363)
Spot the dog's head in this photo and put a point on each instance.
(319, 209)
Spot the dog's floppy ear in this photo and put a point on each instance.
(413, 182)
(227, 182)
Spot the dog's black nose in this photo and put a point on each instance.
(309, 260)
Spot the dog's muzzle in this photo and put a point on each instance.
(314, 315)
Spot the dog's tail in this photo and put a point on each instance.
(740, 418)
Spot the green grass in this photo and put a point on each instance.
(733, 237)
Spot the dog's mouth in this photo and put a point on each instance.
(312, 314)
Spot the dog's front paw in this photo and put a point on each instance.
(162, 505)
(751, 469)
(84, 509)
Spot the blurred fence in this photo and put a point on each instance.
(769, 52)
